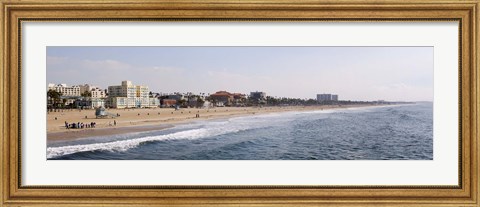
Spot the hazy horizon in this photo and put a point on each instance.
(354, 73)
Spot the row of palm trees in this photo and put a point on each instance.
(200, 99)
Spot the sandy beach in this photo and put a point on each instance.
(140, 120)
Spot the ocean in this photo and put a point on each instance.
(390, 132)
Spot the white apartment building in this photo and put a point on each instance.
(128, 95)
(98, 93)
(64, 89)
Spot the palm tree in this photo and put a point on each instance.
(86, 94)
(182, 103)
(53, 96)
(200, 102)
(64, 101)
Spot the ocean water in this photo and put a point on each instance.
(399, 132)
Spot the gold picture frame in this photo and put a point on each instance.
(14, 12)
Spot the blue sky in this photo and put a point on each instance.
(354, 73)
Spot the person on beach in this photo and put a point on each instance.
(66, 124)
(114, 123)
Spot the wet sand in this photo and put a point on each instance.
(142, 120)
(75, 134)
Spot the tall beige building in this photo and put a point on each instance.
(128, 95)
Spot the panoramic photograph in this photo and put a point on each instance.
(239, 103)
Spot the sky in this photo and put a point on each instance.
(354, 73)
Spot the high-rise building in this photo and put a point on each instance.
(327, 97)
(128, 95)
(334, 97)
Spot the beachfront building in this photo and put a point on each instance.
(95, 98)
(239, 99)
(88, 103)
(82, 103)
(128, 95)
(69, 91)
(172, 99)
(98, 93)
(166, 103)
(97, 103)
(224, 98)
(327, 97)
(334, 97)
(95, 91)
(221, 98)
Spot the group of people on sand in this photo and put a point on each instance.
(80, 125)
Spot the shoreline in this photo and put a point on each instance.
(140, 120)
(92, 132)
